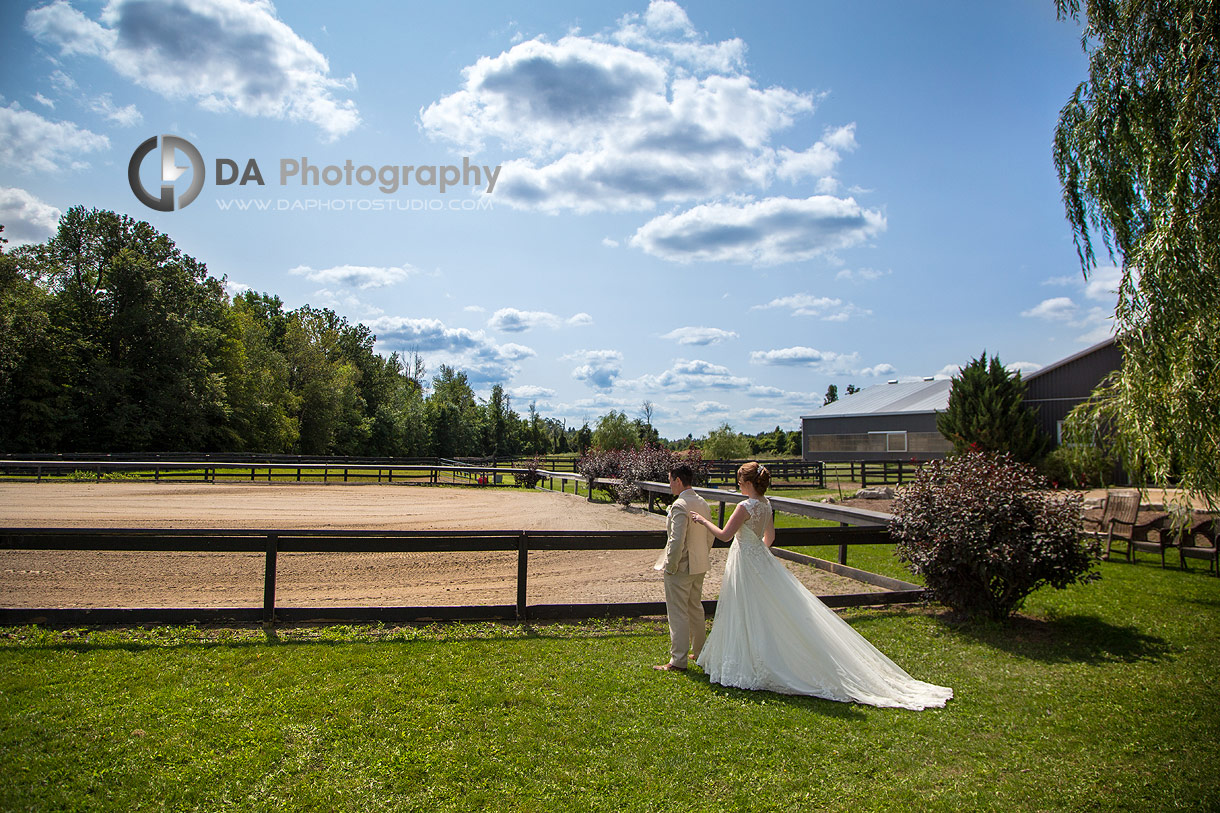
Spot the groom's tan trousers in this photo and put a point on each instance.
(687, 625)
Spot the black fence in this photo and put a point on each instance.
(254, 466)
(273, 542)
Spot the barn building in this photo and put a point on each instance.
(897, 420)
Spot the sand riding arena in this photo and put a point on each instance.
(130, 579)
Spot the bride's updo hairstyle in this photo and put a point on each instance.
(757, 475)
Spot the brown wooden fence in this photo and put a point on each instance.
(273, 542)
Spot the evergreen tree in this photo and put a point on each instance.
(584, 438)
(987, 412)
(832, 395)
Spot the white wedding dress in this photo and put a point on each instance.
(771, 633)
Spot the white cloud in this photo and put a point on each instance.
(948, 371)
(228, 55)
(711, 408)
(609, 242)
(346, 302)
(829, 309)
(1096, 321)
(1060, 281)
(126, 116)
(472, 352)
(475, 309)
(823, 361)
(1057, 309)
(529, 392)
(802, 304)
(651, 114)
(1023, 367)
(28, 142)
(235, 288)
(600, 368)
(25, 218)
(687, 375)
(699, 335)
(1103, 284)
(44, 101)
(878, 370)
(423, 335)
(512, 320)
(515, 352)
(60, 24)
(820, 160)
(62, 81)
(860, 275)
(644, 115)
(768, 414)
(356, 276)
(765, 232)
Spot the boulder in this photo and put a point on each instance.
(875, 493)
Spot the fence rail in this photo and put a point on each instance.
(784, 473)
(273, 542)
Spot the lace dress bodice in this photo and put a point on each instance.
(759, 514)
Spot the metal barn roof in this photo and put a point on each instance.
(889, 399)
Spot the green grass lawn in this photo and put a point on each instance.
(1102, 697)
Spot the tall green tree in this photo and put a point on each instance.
(1137, 148)
(28, 362)
(326, 380)
(615, 430)
(140, 330)
(832, 395)
(987, 412)
(723, 443)
(264, 408)
(453, 414)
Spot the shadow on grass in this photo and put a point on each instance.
(1067, 639)
(827, 708)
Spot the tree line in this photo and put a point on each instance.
(112, 339)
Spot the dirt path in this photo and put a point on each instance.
(134, 579)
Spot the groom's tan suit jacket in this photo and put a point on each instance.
(687, 544)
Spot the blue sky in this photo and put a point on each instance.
(718, 208)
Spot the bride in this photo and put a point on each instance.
(771, 633)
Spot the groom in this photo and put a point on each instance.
(685, 562)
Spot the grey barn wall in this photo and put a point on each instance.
(1053, 392)
(922, 439)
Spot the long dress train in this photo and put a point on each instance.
(771, 633)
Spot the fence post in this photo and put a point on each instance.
(843, 545)
(522, 571)
(721, 523)
(273, 543)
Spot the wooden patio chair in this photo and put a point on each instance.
(1201, 542)
(1118, 519)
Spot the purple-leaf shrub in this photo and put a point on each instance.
(986, 531)
(634, 466)
(531, 477)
